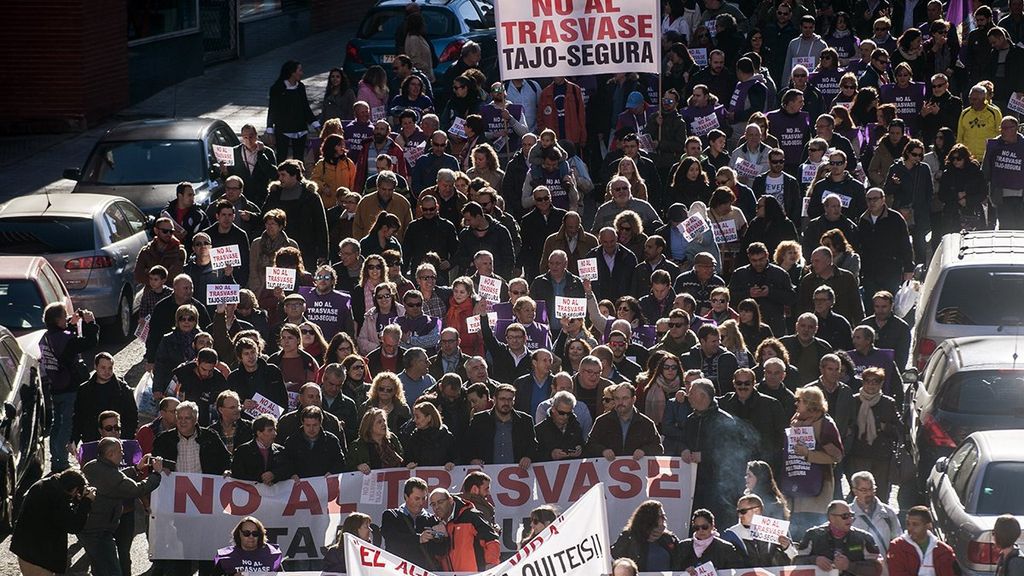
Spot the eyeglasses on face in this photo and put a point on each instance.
(374, 267)
(187, 319)
(250, 533)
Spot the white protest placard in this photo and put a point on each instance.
(473, 322)
(1016, 103)
(546, 38)
(702, 125)
(746, 168)
(378, 113)
(805, 206)
(711, 28)
(280, 278)
(803, 434)
(566, 307)
(490, 289)
(700, 56)
(265, 405)
(587, 268)
(807, 172)
(458, 128)
(706, 569)
(725, 231)
(499, 143)
(224, 154)
(805, 61)
(224, 256)
(693, 227)
(142, 331)
(768, 529)
(221, 294)
(413, 153)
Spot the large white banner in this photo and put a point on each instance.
(809, 570)
(193, 514)
(576, 37)
(575, 543)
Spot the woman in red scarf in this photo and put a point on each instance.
(463, 304)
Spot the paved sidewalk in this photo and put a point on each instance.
(235, 92)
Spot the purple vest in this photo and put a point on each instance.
(800, 477)
(233, 559)
(504, 311)
(792, 131)
(1005, 161)
(739, 96)
(827, 82)
(355, 134)
(880, 358)
(692, 113)
(328, 311)
(559, 195)
(908, 101)
(537, 335)
(495, 123)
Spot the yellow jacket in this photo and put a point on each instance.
(329, 177)
(976, 127)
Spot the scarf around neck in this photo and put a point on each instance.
(866, 417)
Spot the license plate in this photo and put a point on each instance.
(387, 58)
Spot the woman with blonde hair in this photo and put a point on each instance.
(732, 340)
(485, 165)
(789, 256)
(386, 393)
(376, 447)
(628, 170)
(629, 229)
(808, 478)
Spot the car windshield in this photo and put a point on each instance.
(46, 235)
(1000, 490)
(382, 24)
(985, 392)
(988, 297)
(21, 305)
(145, 162)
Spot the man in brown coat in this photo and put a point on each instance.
(624, 431)
(572, 239)
(164, 249)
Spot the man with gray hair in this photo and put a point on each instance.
(310, 394)
(477, 546)
(380, 143)
(751, 158)
(383, 199)
(774, 385)
(623, 199)
(560, 434)
(557, 281)
(615, 266)
(449, 200)
(805, 348)
(449, 358)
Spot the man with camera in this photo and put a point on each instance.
(113, 487)
(53, 507)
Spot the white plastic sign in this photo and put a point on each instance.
(700, 56)
(473, 322)
(706, 569)
(588, 268)
(693, 227)
(265, 405)
(490, 289)
(768, 529)
(458, 128)
(221, 294)
(566, 308)
(280, 278)
(224, 154)
(798, 434)
(224, 256)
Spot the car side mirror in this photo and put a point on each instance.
(73, 173)
(942, 464)
(911, 376)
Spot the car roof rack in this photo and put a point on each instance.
(990, 242)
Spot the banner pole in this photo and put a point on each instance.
(661, 76)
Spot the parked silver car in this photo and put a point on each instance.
(970, 489)
(91, 240)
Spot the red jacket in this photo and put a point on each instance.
(473, 542)
(575, 114)
(396, 153)
(904, 558)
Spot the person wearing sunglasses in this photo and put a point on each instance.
(705, 546)
(841, 184)
(251, 552)
(757, 552)
(116, 395)
(838, 545)
(909, 184)
(560, 434)
(163, 250)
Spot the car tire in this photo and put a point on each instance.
(122, 325)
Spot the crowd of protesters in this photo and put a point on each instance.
(432, 222)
